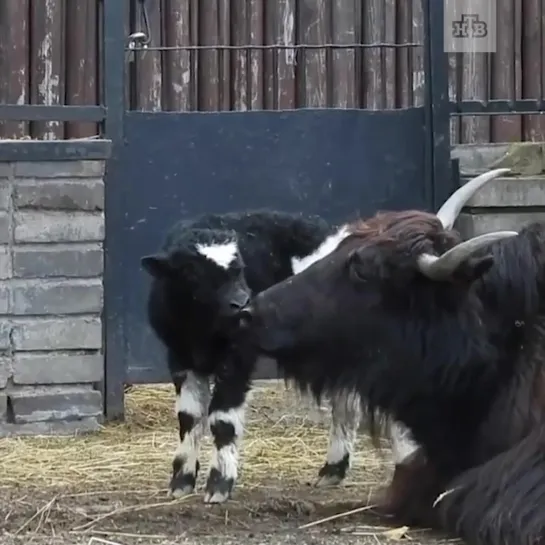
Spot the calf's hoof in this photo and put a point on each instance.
(328, 480)
(218, 488)
(177, 491)
(183, 482)
(332, 474)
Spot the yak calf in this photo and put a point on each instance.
(205, 272)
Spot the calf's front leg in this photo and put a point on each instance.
(345, 420)
(226, 420)
(192, 398)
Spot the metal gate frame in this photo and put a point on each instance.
(114, 99)
(438, 166)
(438, 104)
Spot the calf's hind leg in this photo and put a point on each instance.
(345, 420)
(192, 398)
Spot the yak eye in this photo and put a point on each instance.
(356, 268)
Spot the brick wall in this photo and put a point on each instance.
(51, 296)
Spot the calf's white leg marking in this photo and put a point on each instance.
(345, 420)
(225, 458)
(192, 401)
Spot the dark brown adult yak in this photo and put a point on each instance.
(448, 338)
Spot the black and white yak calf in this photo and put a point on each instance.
(448, 338)
(205, 272)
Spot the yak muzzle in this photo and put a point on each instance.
(234, 300)
(264, 329)
(245, 317)
(239, 302)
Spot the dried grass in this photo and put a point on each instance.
(282, 442)
(112, 483)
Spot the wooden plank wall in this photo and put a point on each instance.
(50, 50)
(219, 80)
(48, 55)
(515, 71)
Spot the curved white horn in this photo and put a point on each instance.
(453, 205)
(442, 267)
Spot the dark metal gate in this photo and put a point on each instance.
(335, 161)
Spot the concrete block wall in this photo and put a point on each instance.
(51, 296)
(509, 202)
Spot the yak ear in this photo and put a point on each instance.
(157, 265)
(474, 268)
(356, 267)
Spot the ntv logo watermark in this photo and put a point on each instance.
(470, 26)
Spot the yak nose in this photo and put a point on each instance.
(240, 303)
(245, 316)
(239, 298)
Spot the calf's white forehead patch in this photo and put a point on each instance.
(222, 254)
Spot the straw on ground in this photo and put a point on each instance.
(112, 484)
(281, 439)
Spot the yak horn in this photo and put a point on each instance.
(442, 267)
(453, 205)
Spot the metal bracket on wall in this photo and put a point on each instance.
(136, 41)
(140, 39)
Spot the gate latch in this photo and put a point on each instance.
(136, 40)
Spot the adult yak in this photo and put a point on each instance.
(448, 338)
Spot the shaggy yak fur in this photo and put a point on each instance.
(206, 270)
(457, 356)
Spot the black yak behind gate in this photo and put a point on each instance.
(448, 338)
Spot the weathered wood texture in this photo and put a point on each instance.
(50, 54)
(515, 71)
(280, 78)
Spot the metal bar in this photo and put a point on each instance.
(476, 107)
(264, 47)
(54, 150)
(40, 112)
(541, 98)
(114, 68)
(114, 96)
(492, 114)
(437, 103)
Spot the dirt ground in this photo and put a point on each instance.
(110, 487)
